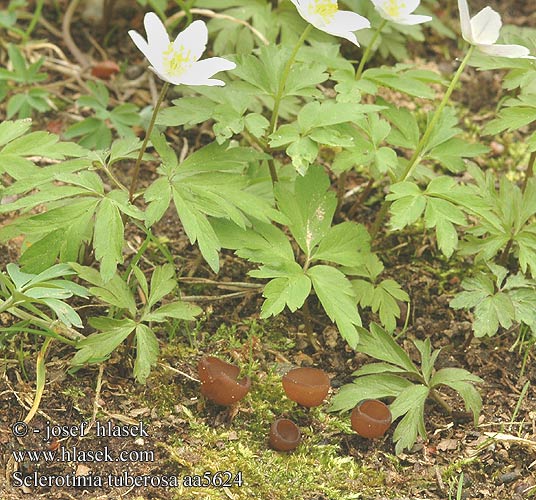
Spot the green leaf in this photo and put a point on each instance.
(309, 208)
(114, 292)
(177, 310)
(64, 312)
(291, 291)
(448, 375)
(373, 386)
(198, 229)
(162, 283)
(410, 403)
(97, 347)
(147, 350)
(43, 253)
(337, 298)
(186, 111)
(470, 395)
(373, 368)
(344, 244)
(108, 238)
(380, 345)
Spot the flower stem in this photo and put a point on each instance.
(368, 50)
(145, 141)
(416, 157)
(284, 76)
(433, 122)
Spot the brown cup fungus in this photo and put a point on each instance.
(219, 381)
(306, 386)
(284, 435)
(371, 418)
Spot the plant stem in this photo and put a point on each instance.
(279, 95)
(368, 50)
(145, 141)
(40, 380)
(35, 19)
(440, 401)
(284, 76)
(416, 157)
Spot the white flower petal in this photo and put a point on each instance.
(344, 23)
(513, 51)
(485, 26)
(397, 11)
(411, 5)
(157, 36)
(465, 21)
(161, 74)
(140, 42)
(200, 72)
(412, 19)
(194, 39)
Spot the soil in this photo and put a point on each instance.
(172, 428)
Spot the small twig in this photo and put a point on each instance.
(68, 39)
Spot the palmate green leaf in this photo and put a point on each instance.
(108, 238)
(64, 312)
(97, 347)
(198, 229)
(309, 208)
(428, 358)
(344, 244)
(336, 295)
(446, 376)
(186, 111)
(42, 254)
(374, 386)
(452, 152)
(147, 350)
(445, 129)
(524, 300)
(516, 113)
(410, 403)
(373, 368)
(406, 134)
(408, 206)
(492, 312)
(114, 292)
(10, 130)
(303, 152)
(526, 243)
(381, 298)
(158, 196)
(265, 244)
(176, 310)
(410, 82)
(470, 396)
(380, 345)
(290, 290)
(162, 283)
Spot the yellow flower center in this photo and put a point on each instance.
(392, 7)
(326, 9)
(176, 62)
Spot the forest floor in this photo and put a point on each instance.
(188, 435)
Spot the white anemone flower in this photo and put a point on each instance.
(178, 62)
(482, 31)
(326, 16)
(400, 11)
